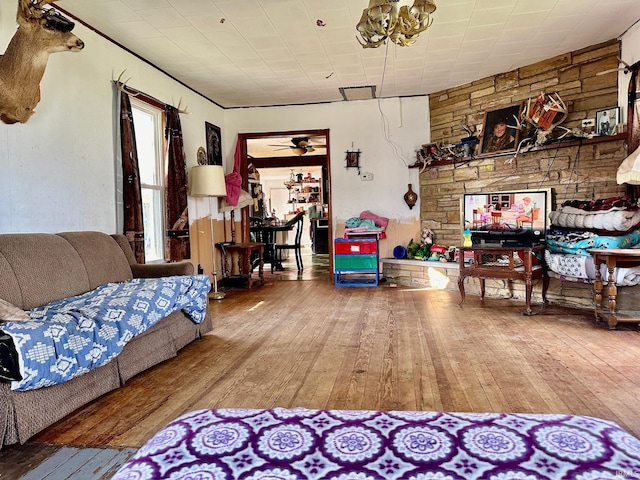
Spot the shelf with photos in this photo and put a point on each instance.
(437, 156)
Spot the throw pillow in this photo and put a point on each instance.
(381, 222)
(11, 312)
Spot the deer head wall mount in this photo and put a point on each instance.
(41, 32)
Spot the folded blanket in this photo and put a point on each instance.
(69, 337)
(612, 220)
(577, 242)
(582, 267)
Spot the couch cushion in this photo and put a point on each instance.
(43, 267)
(9, 286)
(9, 311)
(102, 256)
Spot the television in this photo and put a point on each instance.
(507, 218)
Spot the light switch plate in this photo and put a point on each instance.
(367, 176)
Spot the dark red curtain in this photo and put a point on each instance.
(633, 121)
(633, 110)
(177, 246)
(132, 193)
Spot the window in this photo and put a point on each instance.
(148, 123)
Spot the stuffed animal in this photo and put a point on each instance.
(426, 237)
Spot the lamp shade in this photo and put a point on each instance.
(207, 181)
(629, 169)
(244, 200)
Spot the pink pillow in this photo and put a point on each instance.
(382, 222)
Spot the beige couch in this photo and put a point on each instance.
(36, 269)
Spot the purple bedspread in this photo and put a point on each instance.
(296, 444)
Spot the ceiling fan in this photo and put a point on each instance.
(301, 145)
(626, 69)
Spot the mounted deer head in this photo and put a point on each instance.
(41, 32)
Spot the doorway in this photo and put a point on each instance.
(288, 172)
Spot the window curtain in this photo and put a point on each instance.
(633, 121)
(633, 110)
(132, 193)
(177, 246)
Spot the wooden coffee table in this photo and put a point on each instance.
(487, 263)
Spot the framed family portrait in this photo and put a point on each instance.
(607, 120)
(498, 130)
(214, 144)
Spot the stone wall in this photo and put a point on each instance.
(573, 170)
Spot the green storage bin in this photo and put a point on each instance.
(356, 262)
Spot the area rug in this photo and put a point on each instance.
(290, 444)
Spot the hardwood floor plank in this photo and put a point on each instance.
(314, 345)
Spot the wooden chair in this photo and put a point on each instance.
(535, 212)
(297, 223)
(477, 219)
(496, 219)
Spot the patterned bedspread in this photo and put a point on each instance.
(581, 268)
(69, 337)
(578, 242)
(295, 444)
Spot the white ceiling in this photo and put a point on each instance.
(242, 53)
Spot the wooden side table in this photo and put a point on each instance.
(245, 268)
(487, 263)
(613, 257)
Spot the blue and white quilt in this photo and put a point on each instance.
(69, 337)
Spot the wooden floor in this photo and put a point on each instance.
(310, 344)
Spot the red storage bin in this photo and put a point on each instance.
(343, 246)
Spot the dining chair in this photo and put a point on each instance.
(297, 223)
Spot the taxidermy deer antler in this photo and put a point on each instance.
(540, 118)
(41, 32)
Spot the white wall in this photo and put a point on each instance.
(59, 168)
(355, 126)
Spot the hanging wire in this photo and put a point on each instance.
(396, 148)
(574, 169)
(553, 160)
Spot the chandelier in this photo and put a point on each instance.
(384, 19)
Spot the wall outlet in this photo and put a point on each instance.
(367, 176)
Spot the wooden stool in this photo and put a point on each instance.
(245, 267)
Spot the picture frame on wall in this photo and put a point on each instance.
(214, 144)
(607, 121)
(498, 130)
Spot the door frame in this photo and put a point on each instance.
(323, 161)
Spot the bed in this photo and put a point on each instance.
(290, 444)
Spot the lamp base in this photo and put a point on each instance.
(216, 295)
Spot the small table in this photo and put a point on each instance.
(245, 267)
(487, 264)
(613, 257)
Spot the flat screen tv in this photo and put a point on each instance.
(508, 218)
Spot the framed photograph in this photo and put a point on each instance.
(498, 130)
(607, 120)
(214, 144)
(353, 159)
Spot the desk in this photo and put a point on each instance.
(613, 257)
(266, 234)
(487, 263)
(245, 268)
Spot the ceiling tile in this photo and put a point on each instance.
(244, 52)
